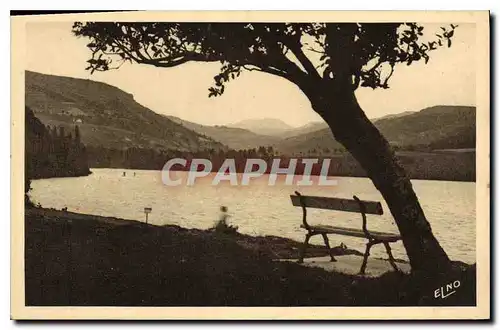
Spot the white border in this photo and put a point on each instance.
(218, 5)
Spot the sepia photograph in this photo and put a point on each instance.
(185, 165)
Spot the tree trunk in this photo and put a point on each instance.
(362, 139)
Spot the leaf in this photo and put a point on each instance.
(450, 34)
(229, 44)
(212, 92)
(449, 43)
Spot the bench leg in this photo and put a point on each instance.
(327, 243)
(302, 251)
(391, 258)
(365, 258)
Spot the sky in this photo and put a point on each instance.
(448, 79)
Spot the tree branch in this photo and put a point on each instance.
(190, 57)
(303, 59)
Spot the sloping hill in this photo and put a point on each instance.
(106, 115)
(234, 137)
(438, 127)
(264, 126)
(430, 125)
(319, 125)
(396, 115)
(305, 129)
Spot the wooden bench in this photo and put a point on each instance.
(348, 205)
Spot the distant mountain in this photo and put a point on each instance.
(305, 129)
(234, 137)
(106, 115)
(319, 125)
(316, 142)
(438, 127)
(265, 126)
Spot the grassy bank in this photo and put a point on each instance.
(83, 260)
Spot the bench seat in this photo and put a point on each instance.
(354, 205)
(387, 237)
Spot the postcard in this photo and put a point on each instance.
(251, 165)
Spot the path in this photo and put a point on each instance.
(350, 264)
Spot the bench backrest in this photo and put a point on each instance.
(339, 204)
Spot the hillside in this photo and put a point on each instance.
(49, 154)
(319, 125)
(438, 127)
(234, 137)
(106, 115)
(431, 125)
(305, 129)
(265, 126)
(55, 153)
(396, 115)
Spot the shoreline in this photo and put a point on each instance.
(83, 260)
(275, 247)
(345, 175)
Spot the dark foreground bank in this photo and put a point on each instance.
(83, 260)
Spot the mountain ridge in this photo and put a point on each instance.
(436, 126)
(107, 116)
(110, 117)
(263, 126)
(234, 137)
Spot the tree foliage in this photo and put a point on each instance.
(363, 53)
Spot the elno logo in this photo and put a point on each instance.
(447, 290)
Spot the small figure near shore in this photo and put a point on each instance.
(223, 216)
(222, 226)
(124, 174)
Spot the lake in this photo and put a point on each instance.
(260, 209)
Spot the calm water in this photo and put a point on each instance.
(259, 209)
